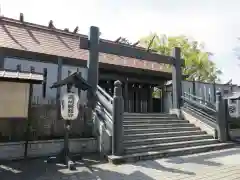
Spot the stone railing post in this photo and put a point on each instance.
(118, 110)
(222, 117)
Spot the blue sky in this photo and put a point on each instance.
(216, 23)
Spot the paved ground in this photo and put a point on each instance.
(220, 165)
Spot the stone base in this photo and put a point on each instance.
(15, 151)
(167, 153)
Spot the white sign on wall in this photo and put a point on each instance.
(69, 106)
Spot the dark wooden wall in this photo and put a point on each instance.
(137, 96)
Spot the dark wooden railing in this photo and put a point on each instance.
(216, 116)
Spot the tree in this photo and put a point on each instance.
(198, 65)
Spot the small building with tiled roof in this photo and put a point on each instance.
(56, 53)
(28, 40)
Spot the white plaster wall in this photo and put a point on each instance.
(52, 69)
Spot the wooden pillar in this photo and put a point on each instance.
(145, 99)
(147, 87)
(58, 94)
(146, 91)
(143, 95)
(126, 92)
(194, 88)
(209, 95)
(93, 65)
(136, 97)
(176, 78)
(214, 92)
(139, 97)
(131, 97)
(2, 57)
(163, 98)
(150, 98)
(78, 89)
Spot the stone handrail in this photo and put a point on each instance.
(217, 114)
(110, 111)
(105, 94)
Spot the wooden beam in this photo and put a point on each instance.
(130, 79)
(130, 71)
(126, 50)
(33, 56)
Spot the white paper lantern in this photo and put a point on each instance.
(70, 106)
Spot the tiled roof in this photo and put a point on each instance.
(24, 36)
(21, 75)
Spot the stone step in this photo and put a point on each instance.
(140, 126)
(139, 142)
(155, 121)
(159, 130)
(165, 146)
(133, 118)
(168, 153)
(149, 114)
(162, 135)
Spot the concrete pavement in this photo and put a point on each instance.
(219, 165)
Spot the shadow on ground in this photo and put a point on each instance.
(157, 166)
(38, 169)
(95, 168)
(204, 159)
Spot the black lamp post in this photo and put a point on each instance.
(72, 80)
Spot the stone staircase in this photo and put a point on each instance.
(150, 136)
